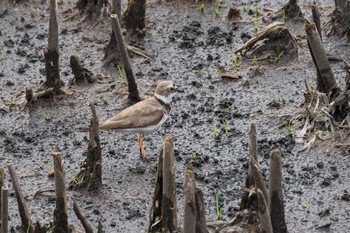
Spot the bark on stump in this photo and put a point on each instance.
(90, 174)
(134, 16)
(340, 20)
(52, 65)
(326, 82)
(132, 86)
(22, 207)
(163, 217)
(276, 193)
(91, 9)
(60, 220)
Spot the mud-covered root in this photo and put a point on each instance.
(60, 221)
(81, 74)
(326, 82)
(274, 43)
(134, 17)
(163, 216)
(290, 11)
(81, 216)
(51, 52)
(340, 20)
(194, 216)
(92, 9)
(90, 174)
(234, 14)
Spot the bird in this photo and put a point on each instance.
(145, 116)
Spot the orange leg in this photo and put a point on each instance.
(141, 148)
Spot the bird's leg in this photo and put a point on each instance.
(141, 148)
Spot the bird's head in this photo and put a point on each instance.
(165, 91)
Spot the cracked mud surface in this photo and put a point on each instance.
(188, 48)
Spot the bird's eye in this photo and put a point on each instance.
(171, 89)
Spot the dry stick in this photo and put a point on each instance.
(60, 213)
(201, 224)
(81, 216)
(276, 193)
(316, 18)
(258, 179)
(52, 54)
(168, 209)
(325, 79)
(155, 212)
(264, 213)
(190, 211)
(4, 208)
(253, 154)
(22, 208)
(2, 178)
(132, 86)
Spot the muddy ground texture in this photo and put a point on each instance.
(188, 48)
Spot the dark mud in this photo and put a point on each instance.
(188, 48)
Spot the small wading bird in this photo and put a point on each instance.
(145, 116)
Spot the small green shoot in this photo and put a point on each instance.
(234, 60)
(48, 115)
(289, 126)
(218, 208)
(225, 127)
(51, 229)
(333, 130)
(77, 179)
(104, 98)
(214, 131)
(194, 155)
(254, 60)
(219, 70)
(128, 206)
(201, 7)
(284, 16)
(247, 6)
(279, 56)
(229, 106)
(28, 227)
(307, 206)
(217, 10)
(256, 18)
(2, 57)
(121, 74)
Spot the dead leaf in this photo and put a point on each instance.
(231, 76)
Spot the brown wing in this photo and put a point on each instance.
(136, 116)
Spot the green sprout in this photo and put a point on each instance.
(217, 10)
(219, 70)
(247, 6)
(307, 206)
(2, 57)
(284, 16)
(77, 179)
(128, 206)
(333, 130)
(289, 126)
(28, 227)
(51, 229)
(225, 127)
(254, 60)
(48, 115)
(104, 98)
(256, 19)
(194, 155)
(13, 101)
(214, 131)
(234, 60)
(121, 74)
(201, 7)
(229, 106)
(279, 56)
(218, 208)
